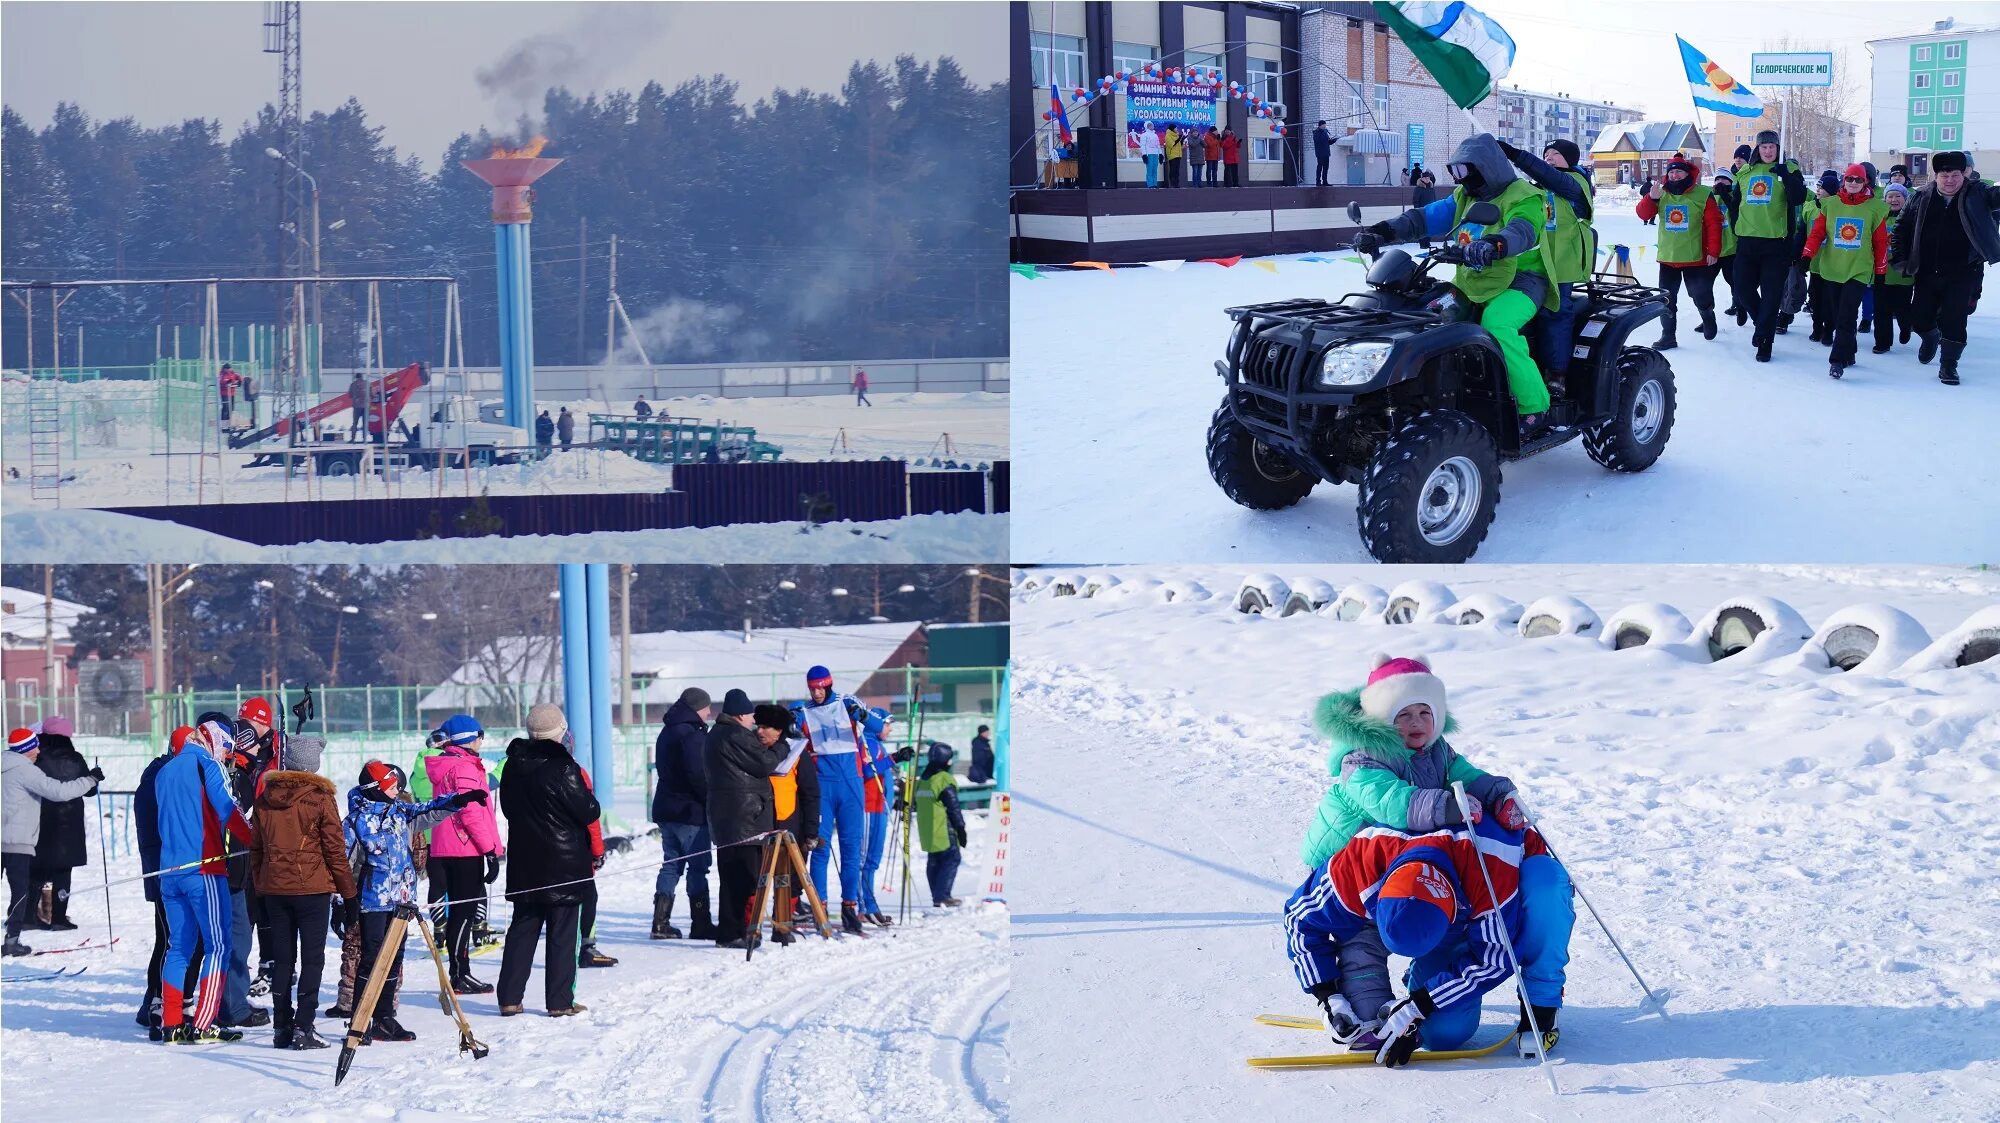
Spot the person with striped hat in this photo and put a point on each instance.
(25, 788)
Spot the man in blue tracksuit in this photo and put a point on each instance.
(194, 811)
(836, 727)
(878, 777)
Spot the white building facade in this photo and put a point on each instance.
(1383, 108)
(1529, 120)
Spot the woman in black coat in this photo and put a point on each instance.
(740, 806)
(61, 848)
(549, 811)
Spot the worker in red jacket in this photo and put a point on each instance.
(1690, 242)
(1232, 158)
(229, 382)
(1849, 248)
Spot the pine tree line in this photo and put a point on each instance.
(864, 224)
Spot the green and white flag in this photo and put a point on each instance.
(1460, 45)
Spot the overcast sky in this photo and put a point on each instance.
(1612, 50)
(417, 66)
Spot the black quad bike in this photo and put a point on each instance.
(1399, 389)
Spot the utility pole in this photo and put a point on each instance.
(52, 688)
(611, 307)
(156, 621)
(625, 643)
(582, 280)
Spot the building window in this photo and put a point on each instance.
(1055, 58)
(1948, 107)
(1923, 54)
(1951, 79)
(1921, 107)
(1132, 57)
(1951, 51)
(1206, 62)
(1920, 135)
(1354, 110)
(1262, 79)
(1382, 104)
(1923, 81)
(1267, 150)
(1947, 135)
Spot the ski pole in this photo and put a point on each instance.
(1659, 1005)
(104, 863)
(1506, 937)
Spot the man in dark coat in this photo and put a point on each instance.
(982, 757)
(61, 848)
(566, 427)
(545, 431)
(1945, 237)
(740, 807)
(680, 807)
(1322, 152)
(549, 811)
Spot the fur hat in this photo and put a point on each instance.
(773, 717)
(1397, 683)
(1414, 908)
(1948, 162)
(1767, 136)
(546, 722)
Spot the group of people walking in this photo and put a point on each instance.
(1208, 153)
(1857, 255)
(819, 769)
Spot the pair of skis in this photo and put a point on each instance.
(1329, 1060)
(87, 945)
(45, 976)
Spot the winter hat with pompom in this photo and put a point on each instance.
(23, 741)
(1396, 683)
(1414, 908)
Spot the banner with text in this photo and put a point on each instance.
(1160, 104)
(1796, 68)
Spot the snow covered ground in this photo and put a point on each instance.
(1767, 462)
(105, 536)
(909, 427)
(908, 1025)
(1805, 860)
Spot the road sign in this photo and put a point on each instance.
(1797, 68)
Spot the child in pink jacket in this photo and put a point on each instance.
(466, 848)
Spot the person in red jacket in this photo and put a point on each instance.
(1849, 248)
(1690, 244)
(1232, 157)
(1211, 151)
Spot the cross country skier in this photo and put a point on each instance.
(1393, 768)
(1764, 211)
(1421, 896)
(878, 775)
(835, 726)
(195, 808)
(1503, 274)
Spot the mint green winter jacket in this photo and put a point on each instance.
(1378, 782)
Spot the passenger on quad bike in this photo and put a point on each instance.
(1503, 274)
(1569, 251)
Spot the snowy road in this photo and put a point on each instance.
(902, 1025)
(1115, 383)
(1805, 860)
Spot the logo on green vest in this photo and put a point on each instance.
(1677, 219)
(1759, 193)
(1549, 211)
(1847, 233)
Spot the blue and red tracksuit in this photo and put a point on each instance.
(194, 807)
(836, 730)
(1333, 911)
(878, 779)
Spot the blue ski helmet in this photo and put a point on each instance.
(461, 729)
(819, 676)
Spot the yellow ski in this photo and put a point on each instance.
(1328, 1060)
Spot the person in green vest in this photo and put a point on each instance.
(940, 824)
(1503, 275)
(1690, 245)
(1892, 288)
(1849, 248)
(1809, 270)
(1765, 215)
(1569, 249)
(1725, 266)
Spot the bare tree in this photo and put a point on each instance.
(495, 626)
(1821, 121)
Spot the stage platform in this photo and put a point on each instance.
(1055, 226)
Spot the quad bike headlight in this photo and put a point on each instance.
(1353, 364)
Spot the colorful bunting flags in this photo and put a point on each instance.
(1024, 270)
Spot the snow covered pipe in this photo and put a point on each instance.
(597, 586)
(510, 177)
(576, 658)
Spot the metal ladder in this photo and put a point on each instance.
(44, 437)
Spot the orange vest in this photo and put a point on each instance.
(785, 792)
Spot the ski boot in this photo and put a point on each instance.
(304, 1038)
(387, 1028)
(878, 919)
(1524, 1035)
(850, 919)
(591, 957)
(186, 1034)
(14, 946)
(1929, 349)
(663, 912)
(1707, 328)
(1948, 365)
(260, 987)
(466, 984)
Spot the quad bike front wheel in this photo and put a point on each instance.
(1249, 471)
(1636, 433)
(1430, 491)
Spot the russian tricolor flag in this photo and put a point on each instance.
(1059, 116)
